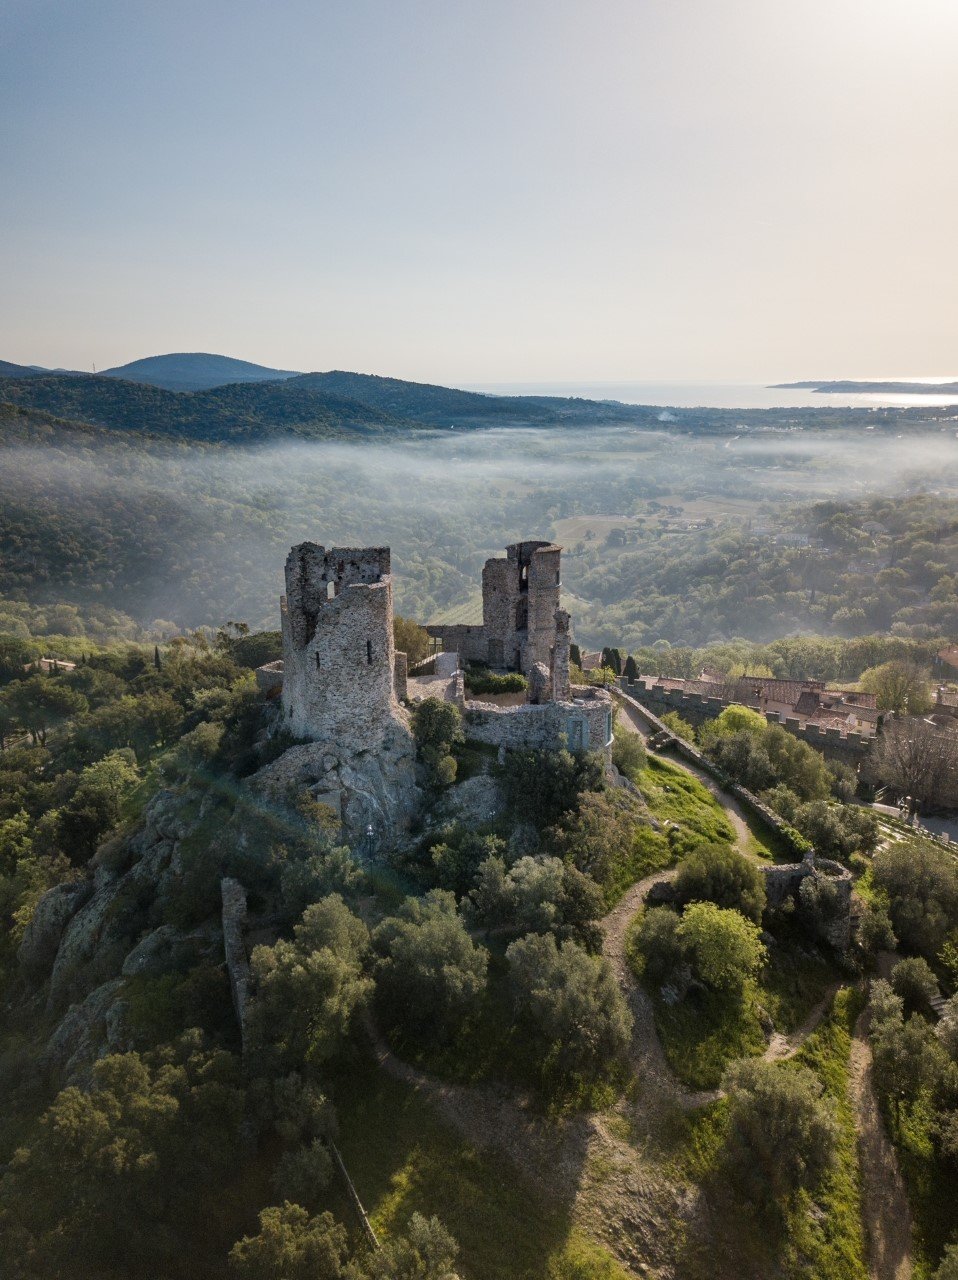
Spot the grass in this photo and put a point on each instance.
(821, 1238)
(931, 1183)
(403, 1159)
(703, 1033)
(830, 1242)
(673, 795)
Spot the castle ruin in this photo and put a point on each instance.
(520, 596)
(341, 683)
(339, 657)
(337, 684)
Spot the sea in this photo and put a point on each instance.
(718, 395)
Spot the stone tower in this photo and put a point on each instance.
(520, 596)
(338, 649)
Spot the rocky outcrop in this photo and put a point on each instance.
(89, 1030)
(41, 940)
(365, 789)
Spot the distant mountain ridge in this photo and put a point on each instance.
(311, 406)
(863, 386)
(194, 371)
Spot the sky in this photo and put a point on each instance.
(471, 191)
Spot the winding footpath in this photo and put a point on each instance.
(886, 1212)
(614, 1192)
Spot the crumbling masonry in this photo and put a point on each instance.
(520, 596)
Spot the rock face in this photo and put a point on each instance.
(88, 1031)
(41, 939)
(365, 789)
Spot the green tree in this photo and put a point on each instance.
(724, 949)
(913, 980)
(540, 786)
(120, 1173)
(411, 639)
(598, 837)
(899, 686)
(658, 944)
(308, 992)
(438, 726)
(782, 1133)
(425, 1251)
(572, 1002)
(720, 874)
(920, 884)
(430, 976)
(292, 1245)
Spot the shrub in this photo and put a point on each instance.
(681, 728)
(657, 944)
(920, 883)
(599, 837)
(308, 991)
(875, 932)
(718, 873)
(437, 726)
(481, 680)
(629, 754)
(913, 980)
(291, 1245)
(723, 948)
(782, 1132)
(542, 785)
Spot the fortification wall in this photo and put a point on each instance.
(466, 640)
(234, 948)
(850, 747)
(550, 726)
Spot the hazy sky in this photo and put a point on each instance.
(483, 190)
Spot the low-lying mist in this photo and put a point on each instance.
(190, 535)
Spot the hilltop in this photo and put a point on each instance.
(194, 371)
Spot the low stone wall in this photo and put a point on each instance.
(270, 676)
(400, 675)
(696, 708)
(579, 725)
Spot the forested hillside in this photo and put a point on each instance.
(668, 538)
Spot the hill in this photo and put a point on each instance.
(194, 371)
(9, 370)
(240, 412)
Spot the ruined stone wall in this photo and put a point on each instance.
(580, 725)
(500, 594)
(520, 595)
(338, 648)
(234, 947)
(269, 677)
(561, 684)
(545, 587)
(468, 641)
(401, 675)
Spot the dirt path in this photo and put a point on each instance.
(633, 721)
(613, 1192)
(885, 1208)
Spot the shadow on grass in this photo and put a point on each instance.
(403, 1158)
